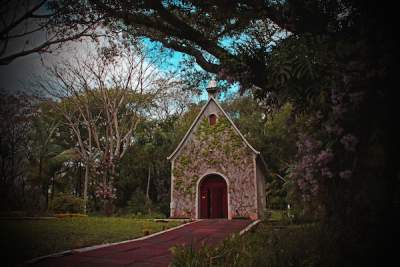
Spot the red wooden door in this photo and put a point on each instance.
(213, 197)
(204, 203)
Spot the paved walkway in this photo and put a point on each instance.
(151, 252)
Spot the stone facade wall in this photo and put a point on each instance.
(261, 191)
(217, 148)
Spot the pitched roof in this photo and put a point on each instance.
(198, 118)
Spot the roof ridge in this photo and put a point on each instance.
(196, 120)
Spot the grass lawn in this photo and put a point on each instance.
(277, 215)
(22, 240)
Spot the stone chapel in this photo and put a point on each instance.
(215, 172)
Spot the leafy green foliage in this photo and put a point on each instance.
(268, 245)
(276, 194)
(280, 139)
(155, 139)
(275, 135)
(15, 125)
(63, 203)
(138, 203)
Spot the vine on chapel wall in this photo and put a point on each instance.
(215, 146)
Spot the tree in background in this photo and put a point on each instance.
(51, 150)
(147, 158)
(15, 118)
(274, 133)
(102, 100)
(34, 151)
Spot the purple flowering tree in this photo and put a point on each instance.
(106, 193)
(326, 153)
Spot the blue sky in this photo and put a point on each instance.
(172, 60)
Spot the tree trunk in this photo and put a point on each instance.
(148, 186)
(45, 184)
(147, 191)
(85, 188)
(53, 186)
(78, 187)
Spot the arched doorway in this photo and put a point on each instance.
(213, 198)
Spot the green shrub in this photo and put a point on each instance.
(70, 215)
(268, 245)
(138, 203)
(188, 256)
(66, 203)
(267, 214)
(277, 202)
(139, 215)
(139, 207)
(164, 207)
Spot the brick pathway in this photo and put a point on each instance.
(151, 252)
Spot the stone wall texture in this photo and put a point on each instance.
(214, 149)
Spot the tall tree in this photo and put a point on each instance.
(102, 100)
(41, 134)
(48, 153)
(15, 122)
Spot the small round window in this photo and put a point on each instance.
(212, 119)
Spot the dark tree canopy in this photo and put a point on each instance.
(201, 29)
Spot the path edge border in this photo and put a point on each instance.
(85, 249)
(249, 227)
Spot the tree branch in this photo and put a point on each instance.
(25, 16)
(42, 47)
(175, 28)
(189, 33)
(197, 54)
